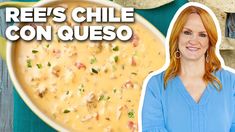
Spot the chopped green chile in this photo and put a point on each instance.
(93, 60)
(129, 100)
(67, 92)
(134, 73)
(116, 48)
(39, 66)
(123, 67)
(94, 71)
(81, 89)
(114, 90)
(116, 59)
(81, 86)
(131, 114)
(49, 64)
(29, 63)
(66, 111)
(101, 97)
(34, 51)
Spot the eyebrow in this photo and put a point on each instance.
(191, 30)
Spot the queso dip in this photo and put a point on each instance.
(89, 86)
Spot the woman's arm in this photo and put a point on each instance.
(232, 129)
(152, 111)
(232, 78)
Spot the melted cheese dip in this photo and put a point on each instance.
(89, 86)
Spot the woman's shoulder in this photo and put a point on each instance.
(226, 73)
(156, 77)
(226, 77)
(155, 82)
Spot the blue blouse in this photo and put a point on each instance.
(174, 110)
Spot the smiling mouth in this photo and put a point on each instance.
(192, 48)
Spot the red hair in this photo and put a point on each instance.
(213, 64)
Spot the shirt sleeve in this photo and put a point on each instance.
(152, 111)
(232, 129)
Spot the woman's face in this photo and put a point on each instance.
(193, 40)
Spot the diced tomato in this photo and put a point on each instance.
(80, 65)
(97, 116)
(132, 126)
(133, 62)
(135, 40)
(56, 53)
(129, 84)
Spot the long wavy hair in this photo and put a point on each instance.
(212, 64)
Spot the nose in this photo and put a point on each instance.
(193, 39)
(193, 42)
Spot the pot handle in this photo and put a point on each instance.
(3, 43)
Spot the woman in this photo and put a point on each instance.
(194, 94)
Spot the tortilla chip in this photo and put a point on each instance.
(142, 4)
(220, 12)
(226, 6)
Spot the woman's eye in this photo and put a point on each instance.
(202, 35)
(187, 33)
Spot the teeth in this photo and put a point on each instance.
(192, 48)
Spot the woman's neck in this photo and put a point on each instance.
(192, 68)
